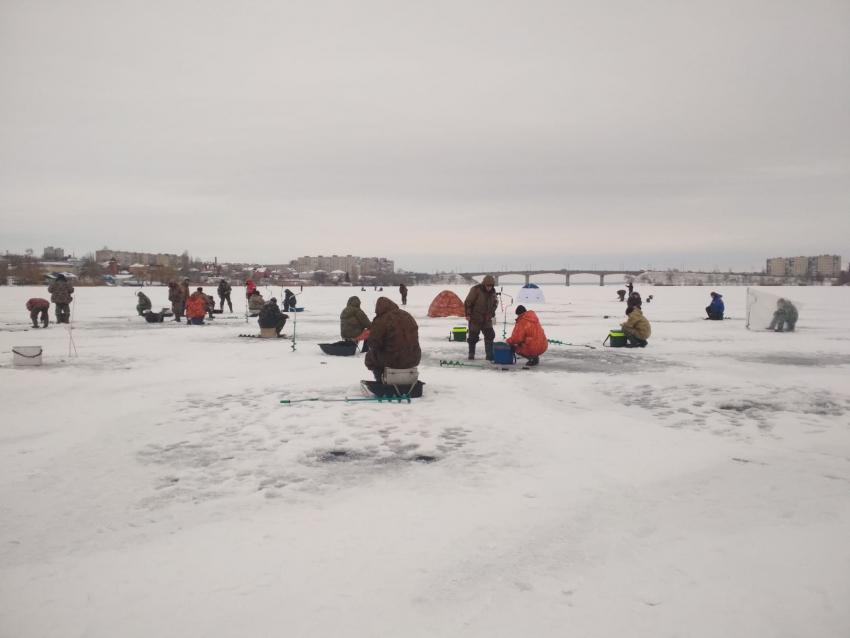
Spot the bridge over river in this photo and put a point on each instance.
(528, 274)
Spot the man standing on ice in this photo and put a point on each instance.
(60, 294)
(480, 307)
(224, 290)
(175, 296)
(393, 339)
(528, 339)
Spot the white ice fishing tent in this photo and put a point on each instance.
(530, 293)
(761, 306)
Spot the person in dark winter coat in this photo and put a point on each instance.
(353, 322)
(480, 307)
(621, 294)
(634, 301)
(402, 289)
(272, 317)
(38, 306)
(393, 339)
(631, 288)
(178, 301)
(144, 303)
(224, 290)
(61, 294)
(716, 308)
(786, 315)
(288, 301)
(186, 293)
(255, 303)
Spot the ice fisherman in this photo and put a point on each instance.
(224, 290)
(636, 328)
(634, 301)
(716, 308)
(288, 301)
(196, 307)
(38, 306)
(528, 338)
(402, 290)
(143, 304)
(354, 324)
(480, 308)
(785, 315)
(621, 294)
(393, 339)
(209, 303)
(272, 317)
(186, 293)
(175, 296)
(255, 303)
(61, 294)
(250, 287)
(631, 288)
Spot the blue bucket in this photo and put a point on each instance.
(502, 354)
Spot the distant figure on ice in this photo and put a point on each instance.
(38, 306)
(175, 296)
(631, 288)
(272, 317)
(224, 290)
(288, 301)
(402, 289)
(634, 301)
(480, 307)
(186, 292)
(785, 315)
(716, 308)
(648, 299)
(528, 339)
(354, 324)
(61, 295)
(255, 303)
(637, 328)
(362, 289)
(209, 302)
(143, 304)
(196, 307)
(393, 339)
(621, 294)
(250, 287)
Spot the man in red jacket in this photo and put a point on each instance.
(37, 306)
(528, 339)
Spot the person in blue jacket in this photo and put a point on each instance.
(716, 309)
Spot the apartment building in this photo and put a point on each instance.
(824, 265)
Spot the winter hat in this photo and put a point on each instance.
(520, 310)
(200, 290)
(273, 300)
(630, 310)
(489, 280)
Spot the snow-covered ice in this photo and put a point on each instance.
(155, 486)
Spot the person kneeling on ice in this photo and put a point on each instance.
(716, 308)
(144, 303)
(786, 314)
(255, 303)
(637, 328)
(38, 306)
(354, 324)
(196, 307)
(528, 339)
(272, 317)
(393, 339)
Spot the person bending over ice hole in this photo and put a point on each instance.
(272, 317)
(38, 306)
(144, 303)
(175, 296)
(621, 294)
(480, 306)
(224, 290)
(255, 303)
(636, 328)
(528, 339)
(393, 339)
(61, 295)
(354, 324)
(785, 315)
(716, 308)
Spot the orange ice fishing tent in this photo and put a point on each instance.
(446, 304)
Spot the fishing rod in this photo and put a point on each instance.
(574, 345)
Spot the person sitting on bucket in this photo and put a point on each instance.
(272, 317)
(393, 339)
(196, 307)
(480, 306)
(144, 303)
(528, 339)
(716, 308)
(636, 328)
(38, 306)
(786, 314)
(255, 303)
(354, 324)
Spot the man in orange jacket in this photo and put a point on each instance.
(528, 339)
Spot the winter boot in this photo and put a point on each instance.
(471, 351)
(34, 324)
(533, 361)
(488, 350)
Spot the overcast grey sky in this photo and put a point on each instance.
(437, 133)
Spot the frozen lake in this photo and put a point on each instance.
(155, 486)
